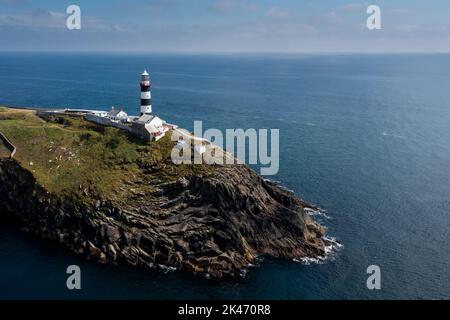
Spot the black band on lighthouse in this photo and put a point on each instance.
(146, 96)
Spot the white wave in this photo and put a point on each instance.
(330, 252)
(334, 245)
(279, 185)
(316, 212)
(307, 260)
(286, 189)
(166, 269)
(256, 263)
(272, 181)
(388, 134)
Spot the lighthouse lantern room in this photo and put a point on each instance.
(146, 95)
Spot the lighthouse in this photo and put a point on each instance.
(146, 95)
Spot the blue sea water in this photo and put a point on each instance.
(365, 137)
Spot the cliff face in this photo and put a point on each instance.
(112, 198)
(215, 224)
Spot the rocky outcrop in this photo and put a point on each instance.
(214, 225)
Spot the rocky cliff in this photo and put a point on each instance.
(214, 222)
(215, 225)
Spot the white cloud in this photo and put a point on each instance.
(37, 19)
(333, 18)
(14, 2)
(232, 6)
(400, 12)
(354, 7)
(52, 20)
(277, 12)
(257, 28)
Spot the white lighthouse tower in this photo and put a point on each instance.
(146, 95)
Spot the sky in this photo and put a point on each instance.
(221, 26)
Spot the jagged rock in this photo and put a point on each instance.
(215, 224)
(112, 234)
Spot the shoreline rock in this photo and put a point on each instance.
(215, 225)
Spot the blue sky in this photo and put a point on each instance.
(226, 26)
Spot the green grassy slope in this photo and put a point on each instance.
(73, 157)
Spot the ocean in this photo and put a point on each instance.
(365, 137)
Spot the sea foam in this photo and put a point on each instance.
(316, 213)
(330, 251)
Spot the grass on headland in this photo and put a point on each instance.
(70, 156)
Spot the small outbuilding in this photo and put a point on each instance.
(149, 127)
(117, 114)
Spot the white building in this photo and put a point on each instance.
(146, 126)
(117, 114)
(99, 113)
(149, 127)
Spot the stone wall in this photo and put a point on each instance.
(136, 129)
(107, 122)
(8, 145)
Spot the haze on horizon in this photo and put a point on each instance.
(284, 26)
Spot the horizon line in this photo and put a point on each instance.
(227, 52)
